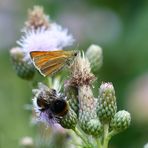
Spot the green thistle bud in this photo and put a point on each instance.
(88, 120)
(94, 54)
(121, 121)
(107, 107)
(69, 120)
(23, 68)
(72, 97)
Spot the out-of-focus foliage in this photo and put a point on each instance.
(119, 27)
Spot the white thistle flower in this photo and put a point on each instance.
(53, 38)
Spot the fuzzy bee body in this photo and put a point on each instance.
(50, 100)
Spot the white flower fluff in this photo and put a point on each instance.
(53, 38)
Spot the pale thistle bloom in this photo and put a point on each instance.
(42, 39)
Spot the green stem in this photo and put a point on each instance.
(81, 136)
(111, 134)
(108, 136)
(98, 141)
(106, 140)
(49, 80)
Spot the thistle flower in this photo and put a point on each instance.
(94, 54)
(106, 107)
(53, 38)
(23, 67)
(37, 18)
(121, 121)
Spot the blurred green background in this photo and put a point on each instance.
(119, 27)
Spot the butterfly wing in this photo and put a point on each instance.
(52, 66)
(49, 62)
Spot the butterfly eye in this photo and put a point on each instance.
(75, 54)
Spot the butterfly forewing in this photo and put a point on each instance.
(49, 62)
(53, 62)
(52, 69)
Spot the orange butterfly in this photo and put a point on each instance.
(49, 62)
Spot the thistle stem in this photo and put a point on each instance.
(111, 134)
(49, 80)
(106, 138)
(81, 136)
(98, 140)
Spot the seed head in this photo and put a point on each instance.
(81, 72)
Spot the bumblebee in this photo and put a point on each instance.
(53, 102)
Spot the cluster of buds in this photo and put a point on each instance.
(76, 107)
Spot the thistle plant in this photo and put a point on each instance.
(70, 104)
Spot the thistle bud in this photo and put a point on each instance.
(94, 54)
(89, 122)
(121, 121)
(24, 68)
(106, 107)
(69, 121)
(37, 18)
(72, 97)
